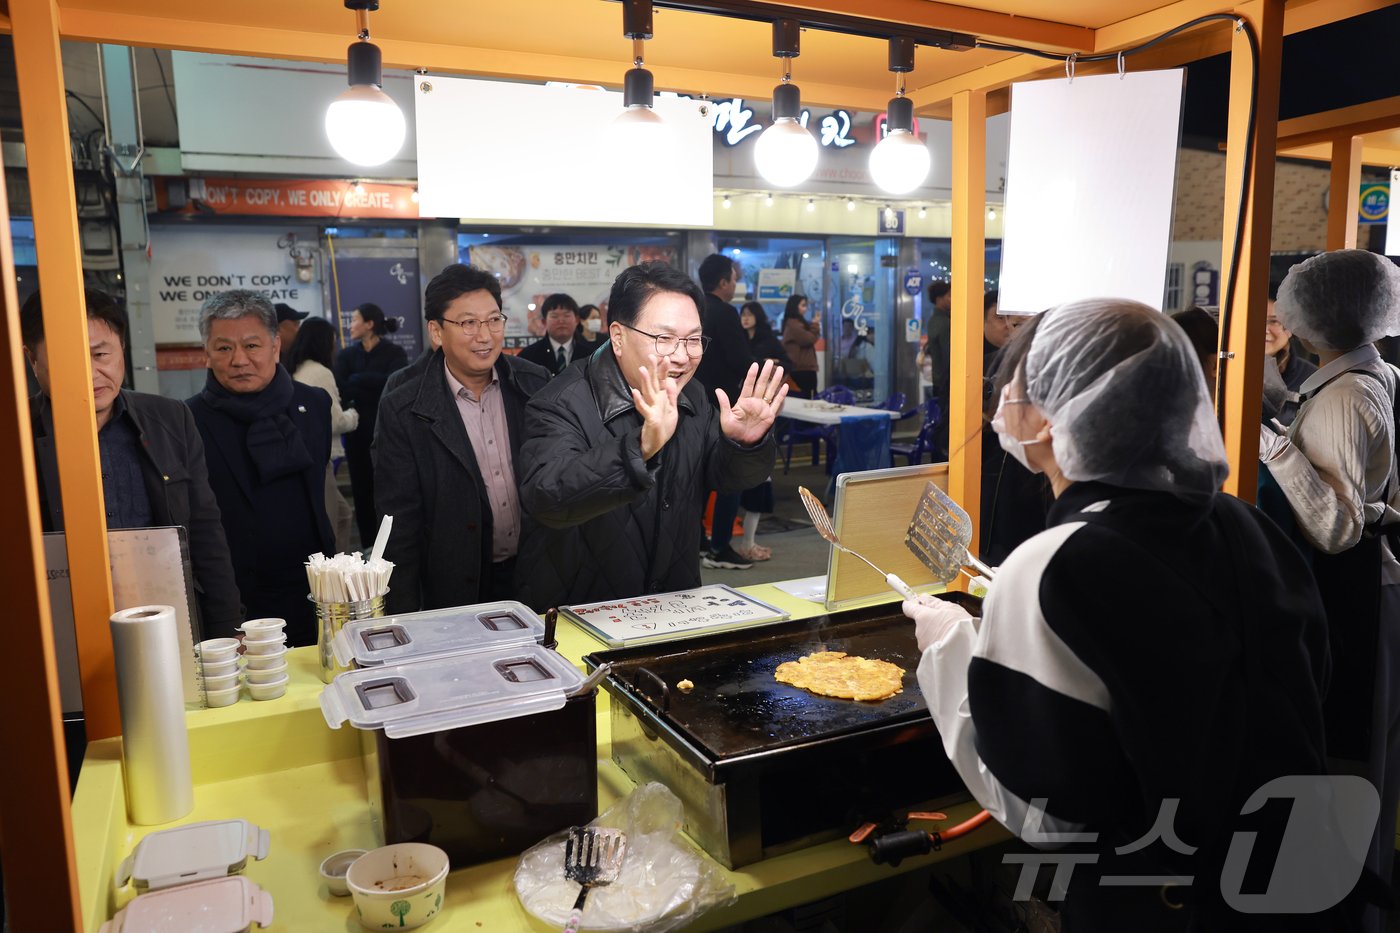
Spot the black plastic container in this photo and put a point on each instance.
(491, 790)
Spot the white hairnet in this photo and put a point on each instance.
(1123, 390)
(1341, 300)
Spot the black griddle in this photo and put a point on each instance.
(761, 766)
(737, 708)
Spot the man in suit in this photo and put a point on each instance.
(562, 343)
(724, 366)
(446, 445)
(153, 470)
(268, 441)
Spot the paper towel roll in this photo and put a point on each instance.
(155, 745)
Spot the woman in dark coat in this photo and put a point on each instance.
(361, 370)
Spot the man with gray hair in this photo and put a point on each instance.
(267, 441)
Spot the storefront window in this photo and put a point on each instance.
(773, 269)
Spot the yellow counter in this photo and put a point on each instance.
(277, 764)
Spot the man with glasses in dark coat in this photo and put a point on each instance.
(446, 447)
(621, 451)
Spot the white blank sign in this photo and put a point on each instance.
(492, 150)
(1091, 177)
(1392, 228)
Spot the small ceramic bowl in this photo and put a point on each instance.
(263, 628)
(219, 668)
(261, 662)
(226, 697)
(264, 645)
(222, 682)
(268, 691)
(215, 650)
(266, 675)
(335, 866)
(399, 886)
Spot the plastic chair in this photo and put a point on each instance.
(817, 434)
(923, 444)
(897, 402)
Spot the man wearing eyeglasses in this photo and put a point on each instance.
(446, 448)
(621, 451)
(561, 344)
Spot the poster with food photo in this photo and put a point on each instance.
(529, 274)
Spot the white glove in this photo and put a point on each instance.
(1271, 443)
(934, 619)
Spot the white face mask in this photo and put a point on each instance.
(593, 325)
(1010, 444)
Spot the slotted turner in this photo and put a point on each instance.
(939, 534)
(593, 858)
(822, 522)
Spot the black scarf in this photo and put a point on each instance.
(274, 443)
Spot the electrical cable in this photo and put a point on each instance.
(1236, 247)
(165, 83)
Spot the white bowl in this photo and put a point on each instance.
(261, 662)
(269, 691)
(219, 668)
(399, 886)
(226, 697)
(264, 645)
(222, 682)
(266, 675)
(334, 867)
(263, 628)
(215, 650)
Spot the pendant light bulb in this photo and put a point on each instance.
(786, 154)
(900, 162)
(811, 206)
(363, 124)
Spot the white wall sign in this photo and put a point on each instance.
(189, 264)
(490, 150)
(1091, 172)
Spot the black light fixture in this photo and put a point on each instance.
(900, 162)
(638, 88)
(364, 124)
(786, 154)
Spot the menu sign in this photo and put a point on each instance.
(672, 615)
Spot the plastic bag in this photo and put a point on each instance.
(663, 884)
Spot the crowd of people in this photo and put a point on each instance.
(590, 452)
(1149, 639)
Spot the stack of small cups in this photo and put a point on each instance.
(265, 657)
(218, 662)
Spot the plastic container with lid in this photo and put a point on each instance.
(479, 754)
(450, 692)
(417, 636)
(223, 905)
(195, 852)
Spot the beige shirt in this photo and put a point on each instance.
(484, 418)
(1336, 471)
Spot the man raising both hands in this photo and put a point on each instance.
(620, 453)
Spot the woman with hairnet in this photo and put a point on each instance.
(1148, 661)
(1336, 469)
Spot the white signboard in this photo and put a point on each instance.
(189, 264)
(530, 274)
(672, 615)
(1091, 178)
(491, 150)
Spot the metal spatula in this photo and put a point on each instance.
(822, 522)
(593, 858)
(939, 534)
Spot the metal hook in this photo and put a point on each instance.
(1069, 66)
(1122, 66)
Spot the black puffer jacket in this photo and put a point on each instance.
(608, 524)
